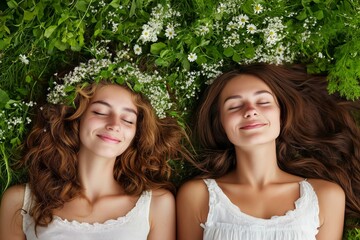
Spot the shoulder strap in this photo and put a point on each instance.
(27, 199)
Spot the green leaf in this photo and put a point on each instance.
(4, 43)
(162, 62)
(15, 141)
(302, 15)
(132, 8)
(186, 64)
(249, 52)
(157, 47)
(61, 45)
(115, 4)
(49, 31)
(105, 74)
(12, 4)
(28, 79)
(28, 16)
(319, 14)
(120, 80)
(4, 98)
(236, 57)
(81, 6)
(137, 87)
(201, 59)
(6, 29)
(228, 52)
(63, 18)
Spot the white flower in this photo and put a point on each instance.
(271, 36)
(170, 32)
(243, 19)
(192, 57)
(203, 30)
(280, 50)
(258, 8)
(23, 59)
(137, 49)
(145, 35)
(251, 28)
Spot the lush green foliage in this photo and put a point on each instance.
(168, 50)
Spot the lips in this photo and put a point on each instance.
(108, 138)
(254, 125)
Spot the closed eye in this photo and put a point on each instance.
(235, 107)
(99, 113)
(128, 121)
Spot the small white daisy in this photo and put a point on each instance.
(251, 28)
(170, 32)
(192, 57)
(137, 49)
(258, 8)
(243, 19)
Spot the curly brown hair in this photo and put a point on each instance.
(319, 135)
(53, 143)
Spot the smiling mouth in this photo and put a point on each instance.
(253, 126)
(109, 139)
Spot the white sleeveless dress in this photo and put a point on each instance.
(133, 226)
(225, 220)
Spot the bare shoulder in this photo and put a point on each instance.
(193, 186)
(10, 213)
(162, 215)
(162, 196)
(331, 198)
(194, 195)
(13, 197)
(327, 189)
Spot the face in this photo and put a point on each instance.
(250, 114)
(108, 125)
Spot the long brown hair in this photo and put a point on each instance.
(52, 145)
(319, 135)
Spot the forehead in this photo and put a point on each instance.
(114, 95)
(244, 84)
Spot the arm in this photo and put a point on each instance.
(192, 207)
(162, 216)
(331, 199)
(10, 214)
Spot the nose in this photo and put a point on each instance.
(250, 111)
(113, 125)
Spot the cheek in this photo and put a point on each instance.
(130, 132)
(229, 123)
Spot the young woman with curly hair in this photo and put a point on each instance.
(281, 159)
(98, 170)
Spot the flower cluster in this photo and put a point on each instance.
(118, 69)
(160, 15)
(14, 120)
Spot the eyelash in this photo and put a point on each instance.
(99, 113)
(239, 106)
(128, 122)
(103, 114)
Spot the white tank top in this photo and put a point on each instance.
(225, 220)
(133, 226)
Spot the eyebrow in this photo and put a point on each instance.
(131, 110)
(239, 96)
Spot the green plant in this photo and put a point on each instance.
(167, 49)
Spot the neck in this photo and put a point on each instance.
(257, 166)
(97, 176)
